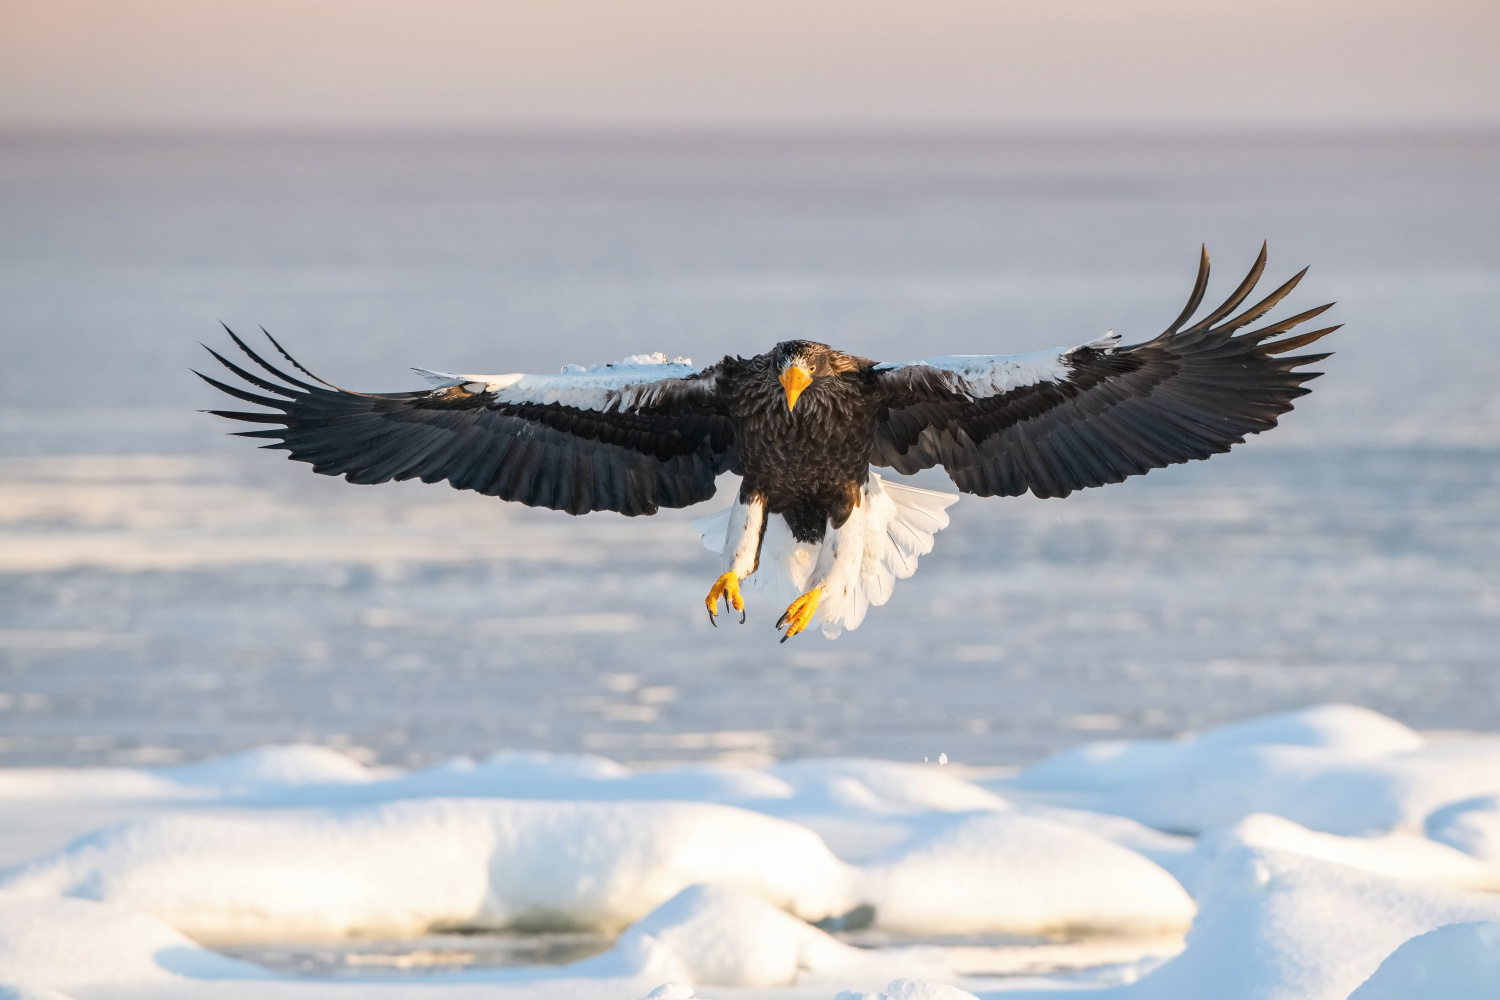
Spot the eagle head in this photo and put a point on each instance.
(799, 363)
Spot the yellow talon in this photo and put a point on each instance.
(728, 586)
(800, 613)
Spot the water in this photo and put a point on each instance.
(167, 593)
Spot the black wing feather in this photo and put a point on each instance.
(1187, 394)
(633, 461)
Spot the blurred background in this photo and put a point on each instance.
(508, 187)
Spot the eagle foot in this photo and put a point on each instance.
(796, 617)
(728, 586)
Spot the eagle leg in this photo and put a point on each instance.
(727, 586)
(747, 525)
(801, 611)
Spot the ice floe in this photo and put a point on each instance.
(1314, 855)
(403, 868)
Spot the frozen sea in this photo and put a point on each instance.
(168, 593)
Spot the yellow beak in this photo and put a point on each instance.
(794, 380)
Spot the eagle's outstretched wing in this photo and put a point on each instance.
(629, 437)
(1056, 421)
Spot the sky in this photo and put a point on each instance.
(748, 63)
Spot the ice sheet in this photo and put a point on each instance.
(723, 894)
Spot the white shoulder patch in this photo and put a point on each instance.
(982, 375)
(619, 385)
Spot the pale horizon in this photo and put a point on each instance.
(811, 65)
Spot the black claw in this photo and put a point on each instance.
(742, 616)
(785, 638)
(711, 620)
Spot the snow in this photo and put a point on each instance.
(273, 767)
(1398, 855)
(1334, 768)
(1347, 730)
(1375, 876)
(1454, 962)
(1471, 825)
(910, 989)
(885, 786)
(1275, 925)
(405, 867)
(59, 944)
(265, 769)
(727, 937)
(1005, 872)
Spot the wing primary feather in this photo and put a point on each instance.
(1302, 340)
(1196, 298)
(1265, 305)
(1236, 297)
(1188, 394)
(298, 365)
(253, 379)
(1267, 332)
(263, 362)
(254, 418)
(248, 397)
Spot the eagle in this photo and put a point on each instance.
(802, 425)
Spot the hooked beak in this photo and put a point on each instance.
(794, 380)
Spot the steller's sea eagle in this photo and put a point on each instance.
(802, 424)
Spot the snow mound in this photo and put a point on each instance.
(301, 775)
(725, 937)
(1171, 851)
(1319, 789)
(290, 766)
(59, 944)
(1344, 730)
(1454, 962)
(1006, 872)
(911, 989)
(1273, 925)
(66, 784)
(410, 866)
(717, 935)
(254, 772)
(842, 784)
(1471, 826)
(403, 868)
(575, 777)
(1394, 855)
(1352, 771)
